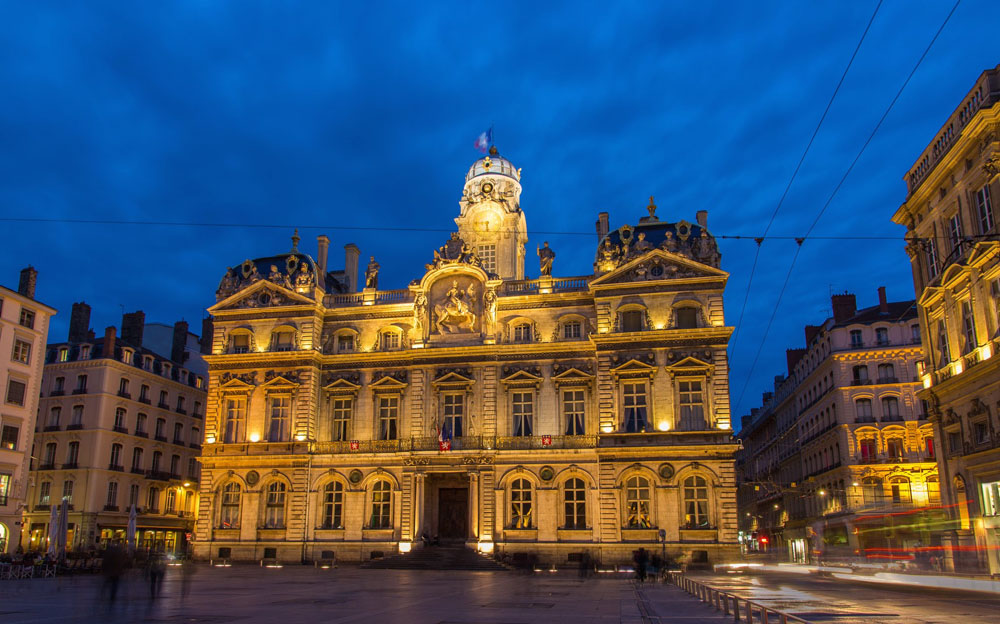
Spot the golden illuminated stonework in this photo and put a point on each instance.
(553, 416)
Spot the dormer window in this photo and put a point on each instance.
(240, 343)
(147, 362)
(127, 356)
(63, 354)
(167, 370)
(686, 318)
(85, 352)
(522, 332)
(345, 343)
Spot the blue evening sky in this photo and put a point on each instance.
(364, 114)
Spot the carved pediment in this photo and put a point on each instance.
(527, 376)
(691, 365)
(287, 379)
(342, 385)
(453, 378)
(572, 375)
(262, 294)
(390, 380)
(238, 381)
(635, 367)
(658, 264)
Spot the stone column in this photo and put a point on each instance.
(474, 495)
(419, 523)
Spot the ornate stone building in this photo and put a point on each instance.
(839, 462)
(552, 416)
(952, 241)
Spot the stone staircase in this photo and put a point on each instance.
(437, 558)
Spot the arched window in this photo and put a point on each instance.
(333, 505)
(686, 317)
(381, 506)
(572, 329)
(522, 332)
(900, 487)
(390, 340)
(345, 342)
(229, 506)
(283, 339)
(274, 506)
(520, 504)
(894, 448)
(637, 499)
(153, 500)
(695, 503)
(868, 451)
(575, 499)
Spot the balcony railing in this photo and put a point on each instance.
(181, 411)
(119, 429)
(52, 428)
(69, 466)
(457, 444)
(888, 380)
(162, 405)
(116, 468)
(160, 438)
(47, 466)
(141, 434)
(111, 508)
(57, 393)
(159, 475)
(145, 400)
(75, 427)
(124, 395)
(80, 390)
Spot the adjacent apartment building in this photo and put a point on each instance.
(24, 325)
(952, 242)
(547, 416)
(839, 462)
(119, 425)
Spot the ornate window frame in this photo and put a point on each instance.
(521, 381)
(633, 371)
(454, 383)
(387, 386)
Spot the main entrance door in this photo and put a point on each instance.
(453, 513)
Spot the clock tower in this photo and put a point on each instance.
(491, 221)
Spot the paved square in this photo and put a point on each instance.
(305, 594)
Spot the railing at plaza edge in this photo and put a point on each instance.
(742, 609)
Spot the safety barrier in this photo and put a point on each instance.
(741, 609)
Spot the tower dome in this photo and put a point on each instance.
(490, 219)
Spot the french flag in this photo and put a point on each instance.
(484, 141)
(444, 437)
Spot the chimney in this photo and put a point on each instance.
(811, 331)
(79, 322)
(26, 287)
(177, 353)
(109, 342)
(602, 225)
(792, 357)
(883, 305)
(207, 334)
(845, 306)
(322, 250)
(702, 218)
(351, 255)
(132, 326)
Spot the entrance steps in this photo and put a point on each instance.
(437, 558)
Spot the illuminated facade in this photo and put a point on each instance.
(119, 425)
(955, 255)
(24, 325)
(552, 416)
(839, 462)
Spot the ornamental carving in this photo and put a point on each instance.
(500, 192)
(562, 367)
(455, 251)
(400, 376)
(292, 376)
(991, 164)
(531, 370)
(645, 358)
(455, 310)
(354, 378)
(456, 370)
(248, 378)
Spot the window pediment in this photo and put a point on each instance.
(522, 377)
(453, 379)
(691, 366)
(236, 385)
(341, 386)
(572, 376)
(634, 368)
(390, 382)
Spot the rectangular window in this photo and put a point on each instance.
(388, 417)
(573, 411)
(488, 256)
(932, 261)
(73, 455)
(195, 435)
(894, 447)
(522, 333)
(856, 339)
(881, 336)
(522, 410)
(453, 405)
(8, 437)
(943, 345)
(27, 318)
(235, 424)
(171, 504)
(279, 419)
(915, 334)
(81, 384)
(632, 320)
(634, 402)
(76, 416)
(54, 415)
(692, 404)
(120, 418)
(21, 352)
(390, 341)
(44, 492)
(178, 433)
(991, 498)
(241, 343)
(572, 330)
(15, 392)
(955, 442)
(112, 500)
(984, 208)
(968, 327)
(175, 466)
(67, 494)
(140, 424)
(345, 343)
(867, 451)
(955, 231)
(60, 383)
(155, 464)
(4, 488)
(333, 506)
(137, 459)
(980, 433)
(192, 468)
(133, 495)
(342, 408)
(85, 352)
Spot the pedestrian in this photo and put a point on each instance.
(187, 573)
(113, 566)
(641, 558)
(155, 569)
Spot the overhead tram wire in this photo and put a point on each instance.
(836, 189)
(795, 173)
